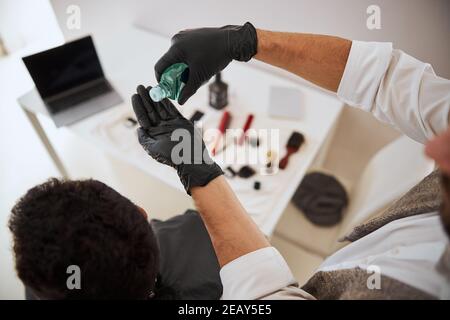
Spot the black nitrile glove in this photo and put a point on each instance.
(207, 51)
(171, 139)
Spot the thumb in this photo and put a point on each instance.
(144, 138)
(163, 63)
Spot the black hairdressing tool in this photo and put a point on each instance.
(130, 122)
(229, 172)
(254, 141)
(246, 172)
(196, 116)
(293, 145)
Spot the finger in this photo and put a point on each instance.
(188, 90)
(158, 107)
(141, 113)
(143, 136)
(439, 150)
(163, 63)
(148, 104)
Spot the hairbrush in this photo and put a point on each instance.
(293, 145)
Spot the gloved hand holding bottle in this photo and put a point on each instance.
(171, 139)
(201, 53)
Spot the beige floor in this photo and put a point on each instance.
(24, 163)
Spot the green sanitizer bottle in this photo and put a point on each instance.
(171, 83)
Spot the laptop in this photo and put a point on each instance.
(71, 82)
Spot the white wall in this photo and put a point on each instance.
(419, 27)
(27, 22)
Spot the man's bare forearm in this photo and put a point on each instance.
(233, 233)
(319, 59)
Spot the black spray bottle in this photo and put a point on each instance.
(218, 93)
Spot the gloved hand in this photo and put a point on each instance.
(207, 51)
(171, 139)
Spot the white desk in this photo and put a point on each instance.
(128, 59)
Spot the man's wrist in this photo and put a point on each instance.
(197, 189)
(198, 175)
(244, 42)
(263, 42)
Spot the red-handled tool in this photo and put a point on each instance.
(293, 145)
(223, 126)
(247, 125)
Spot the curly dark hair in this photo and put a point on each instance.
(88, 224)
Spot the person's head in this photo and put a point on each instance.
(439, 150)
(87, 224)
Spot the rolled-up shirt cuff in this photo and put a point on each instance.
(366, 65)
(255, 275)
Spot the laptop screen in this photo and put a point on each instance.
(57, 70)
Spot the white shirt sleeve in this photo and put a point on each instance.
(396, 88)
(259, 274)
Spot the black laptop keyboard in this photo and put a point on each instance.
(79, 96)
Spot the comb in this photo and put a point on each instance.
(223, 126)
